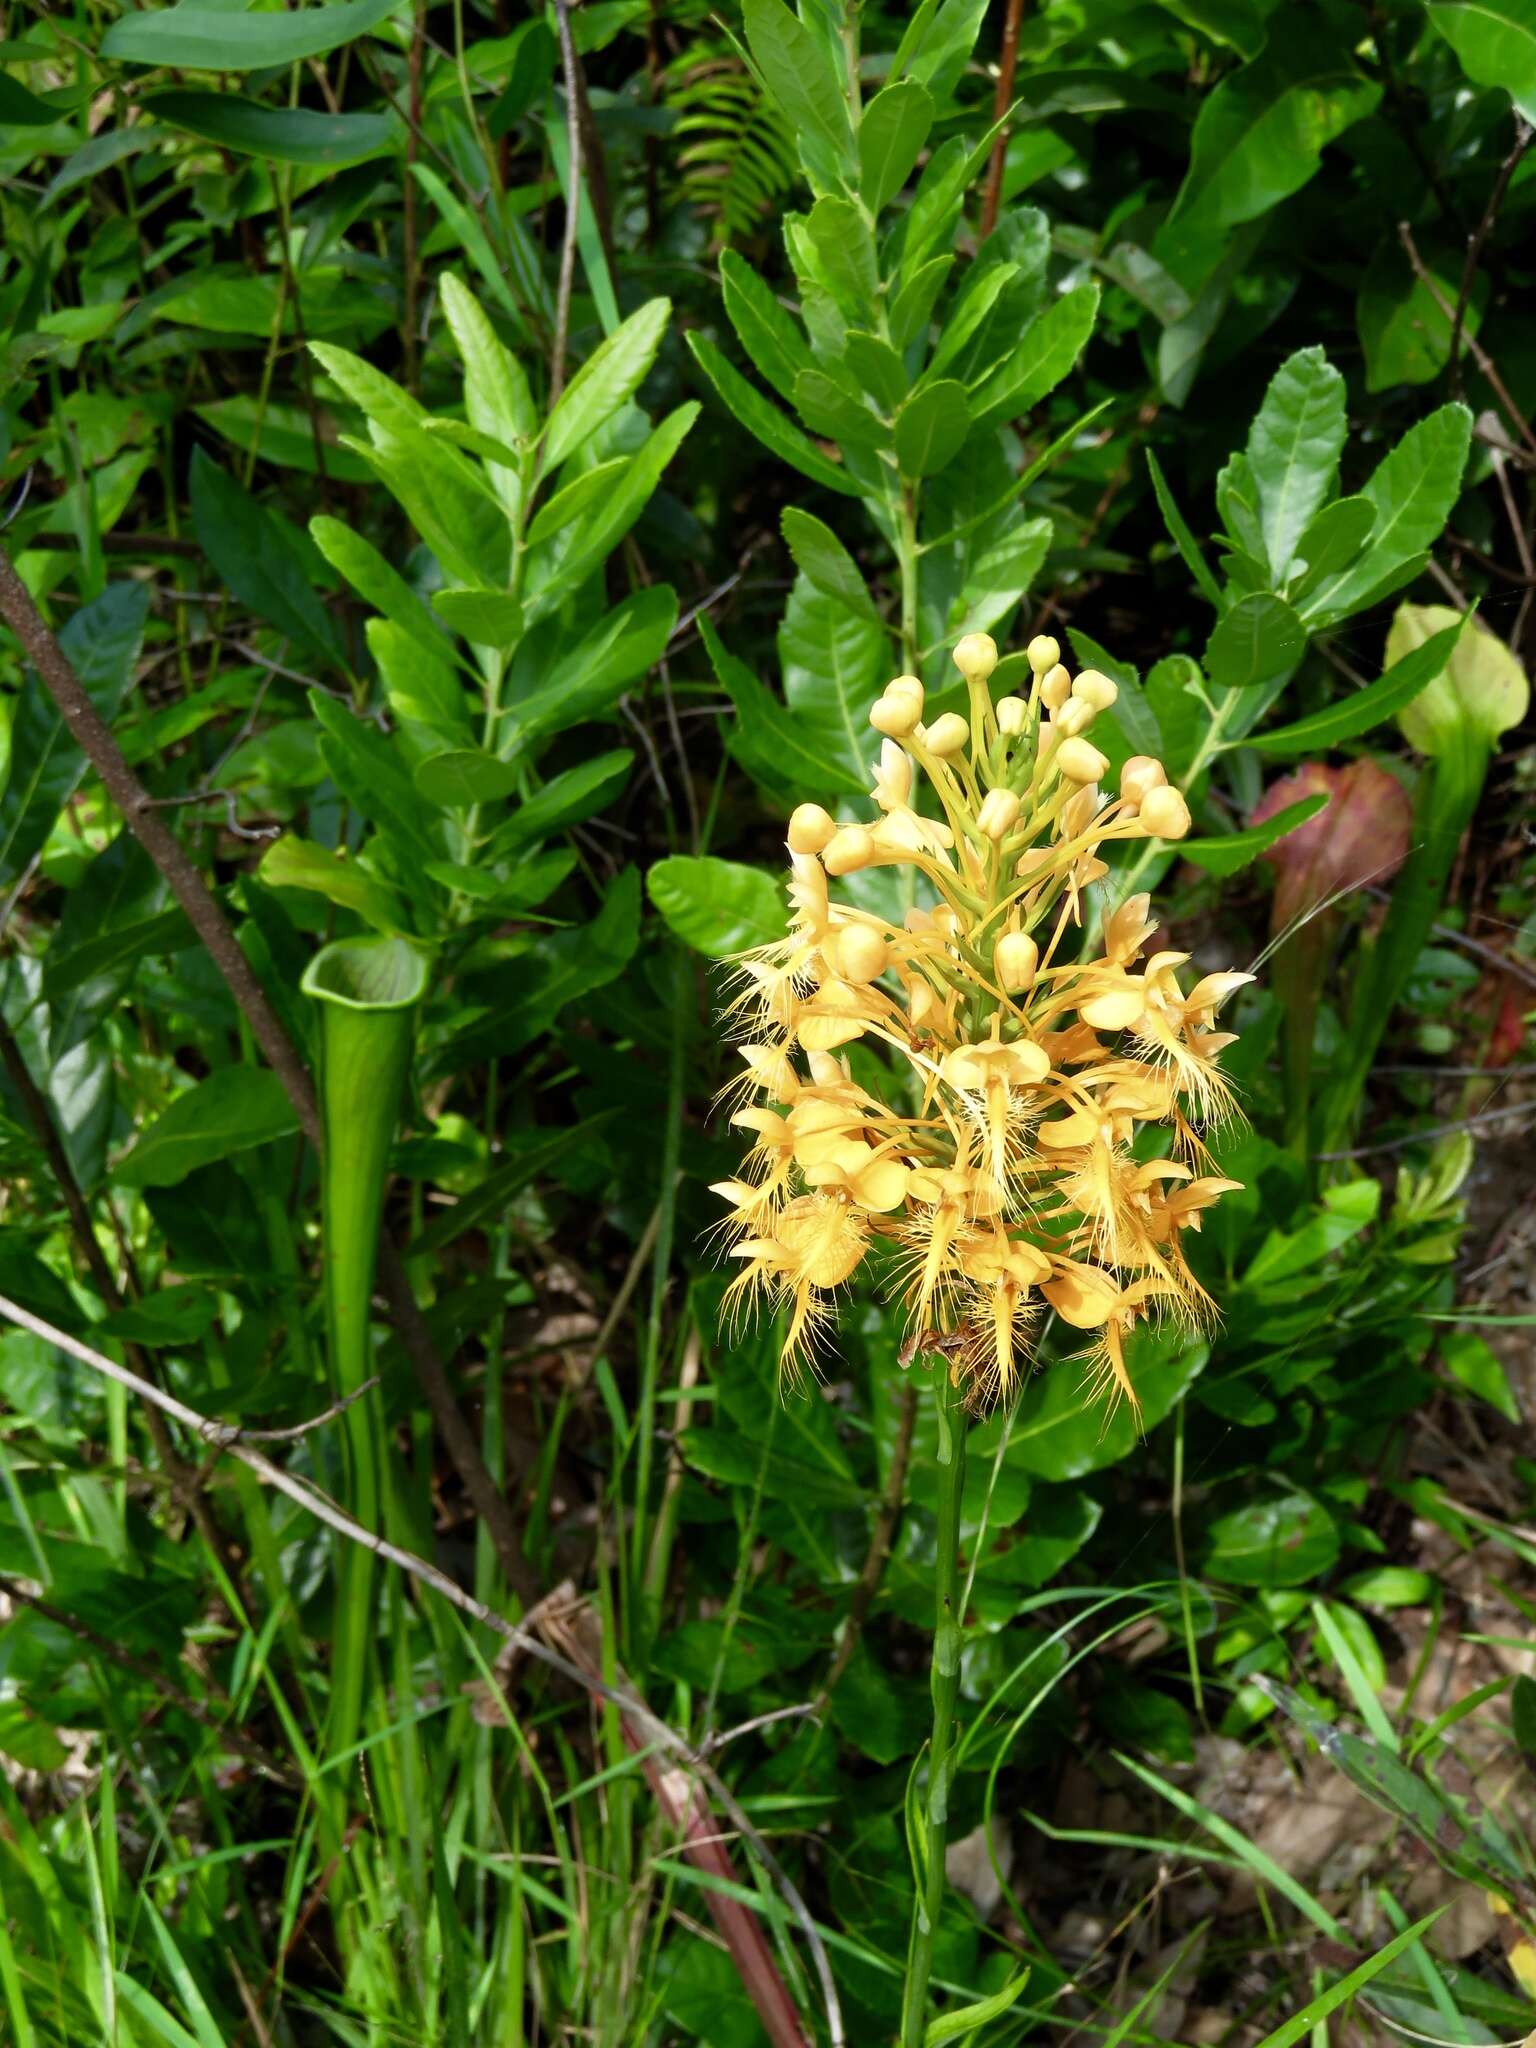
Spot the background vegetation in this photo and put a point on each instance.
(461, 563)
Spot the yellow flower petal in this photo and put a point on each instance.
(1115, 1011)
(1082, 1296)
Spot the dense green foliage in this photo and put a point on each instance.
(480, 579)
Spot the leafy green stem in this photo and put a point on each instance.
(944, 1678)
(906, 562)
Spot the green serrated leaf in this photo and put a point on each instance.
(1257, 645)
(1367, 708)
(194, 38)
(892, 131)
(1412, 491)
(1235, 850)
(765, 330)
(490, 618)
(610, 375)
(1294, 448)
(295, 863)
(461, 777)
(719, 907)
(1044, 355)
(780, 436)
(820, 555)
(931, 427)
(797, 73)
(232, 1110)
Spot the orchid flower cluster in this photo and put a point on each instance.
(1014, 1169)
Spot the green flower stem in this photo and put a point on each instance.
(368, 989)
(944, 1677)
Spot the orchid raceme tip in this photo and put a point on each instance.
(1003, 1153)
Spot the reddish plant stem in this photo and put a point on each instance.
(681, 1798)
(1007, 69)
(411, 255)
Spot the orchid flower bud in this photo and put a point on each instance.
(1075, 716)
(947, 735)
(810, 828)
(1055, 688)
(976, 657)
(1081, 762)
(895, 716)
(861, 953)
(1015, 958)
(1095, 689)
(1165, 813)
(1140, 775)
(999, 813)
(849, 848)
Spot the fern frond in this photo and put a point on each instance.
(737, 158)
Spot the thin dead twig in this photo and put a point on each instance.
(1477, 240)
(1518, 970)
(1475, 348)
(238, 1433)
(1423, 1137)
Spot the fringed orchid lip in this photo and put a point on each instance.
(955, 1086)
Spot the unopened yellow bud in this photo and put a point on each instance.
(895, 716)
(923, 1006)
(947, 735)
(809, 829)
(1055, 687)
(895, 773)
(1079, 761)
(1012, 713)
(1165, 813)
(1042, 653)
(827, 1070)
(976, 657)
(905, 686)
(850, 847)
(1015, 957)
(861, 953)
(999, 813)
(1140, 775)
(1074, 716)
(1095, 689)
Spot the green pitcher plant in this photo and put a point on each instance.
(368, 990)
